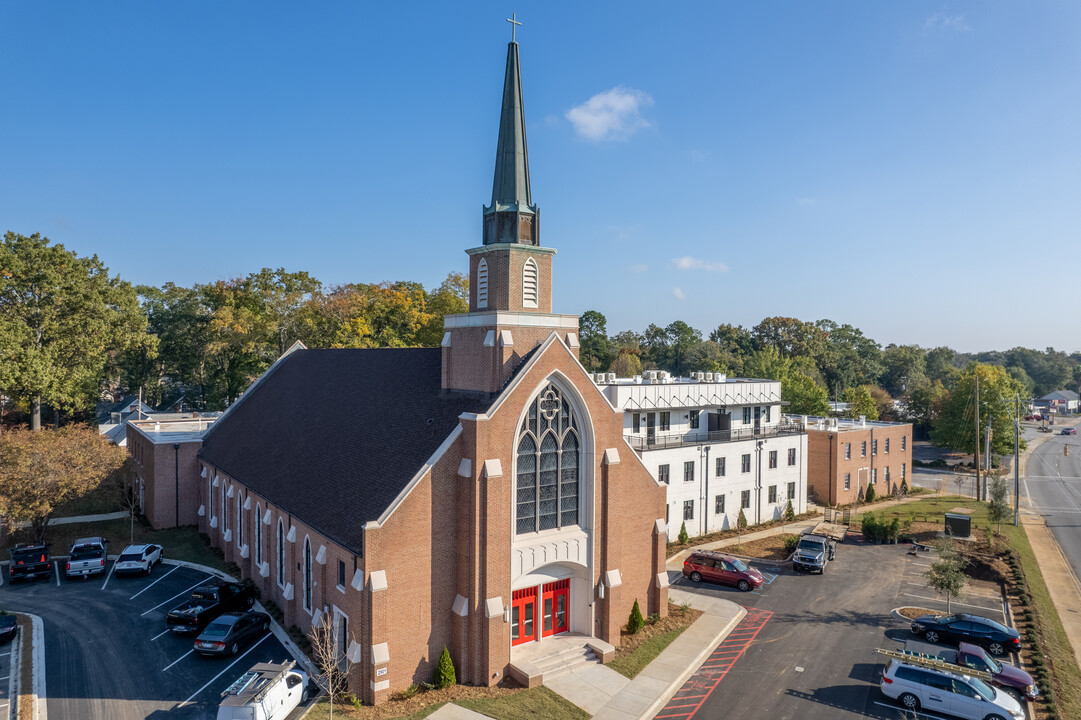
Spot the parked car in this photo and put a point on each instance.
(29, 561)
(208, 602)
(713, 566)
(269, 691)
(87, 557)
(813, 552)
(138, 558)
(1003, 674)
(231, 631)
(937, 690)
(997, 638)
(1069, 431)
(7, 627)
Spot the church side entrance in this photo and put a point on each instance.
(551, 614)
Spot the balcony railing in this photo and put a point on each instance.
(658, 442)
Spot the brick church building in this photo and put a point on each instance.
(478, 496)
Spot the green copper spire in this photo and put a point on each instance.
(512, 217)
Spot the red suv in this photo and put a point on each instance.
(708, 565)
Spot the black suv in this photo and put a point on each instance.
(997, 639)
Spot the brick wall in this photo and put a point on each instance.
(827, 465)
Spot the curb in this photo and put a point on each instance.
(37, 687)
(14, 673)
(674, 687)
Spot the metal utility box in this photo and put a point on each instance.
(959, 526)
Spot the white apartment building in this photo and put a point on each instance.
(719, 443)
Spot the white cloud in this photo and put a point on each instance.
(946, 21)
(692, 263)
(678, 293)
(638, 268)
(610, 115)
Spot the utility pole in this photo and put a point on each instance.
(987, 457)
(1016, 461)
(976, 454)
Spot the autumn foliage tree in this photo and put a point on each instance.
(39, 471)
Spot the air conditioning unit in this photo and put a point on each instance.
(709, 377)
(652, 375)
(592, 378)
(611, 377)
(700, 376)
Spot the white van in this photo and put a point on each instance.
(268, 691)
(939, 690)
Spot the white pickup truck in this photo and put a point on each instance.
(87, 557)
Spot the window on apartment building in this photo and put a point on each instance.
(745, 499)
(765, 413)
(688, 471)
(904, 442)
(886, 446)
(746, 416)
(848, 481)
(341, 573)
(874, 476)
(848, 451)
(745, 463)
(772, 459)
(721, 466)
(662, 473)
(694, 419)
(902, 471)
(666, 421)
(887, 476)
(718, 505)
(791, 456)
(688, 509)
(874, 447)
(863, 449)
(636, 422)
(772, 493)
(791, 491)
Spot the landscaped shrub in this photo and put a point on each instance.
(790, 543)
(904, 486)
(635, 622)
(683, 536)
(869, 496)
(869, 527)
(895, 529)
(444, 673)
(789, 513)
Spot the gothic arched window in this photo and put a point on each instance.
(307, 575)
(549, 452)
(529, 284)
(482, 284)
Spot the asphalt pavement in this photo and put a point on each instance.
(109, 656)
(1052, 487)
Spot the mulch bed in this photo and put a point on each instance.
(678, 616)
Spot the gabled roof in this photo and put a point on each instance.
(334, 436)
(1060, 395)
(105, 412)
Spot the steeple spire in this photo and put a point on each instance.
(512, 217)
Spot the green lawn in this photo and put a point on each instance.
(536, 704)
(633, 663)
(1055, 645)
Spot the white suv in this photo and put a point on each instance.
(946, 692)
(138, 558)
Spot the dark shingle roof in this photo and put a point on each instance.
(332, 436)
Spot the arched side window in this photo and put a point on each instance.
(210, 496)
(281, 553)
(307, 574)
(258, 534)
(239, 522)
(529, 284)
(224, 509)
(482, 284)
(549, 453)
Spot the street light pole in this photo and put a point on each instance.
(1016, 461)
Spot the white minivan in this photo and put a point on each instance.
(269, 691)
(946, 692)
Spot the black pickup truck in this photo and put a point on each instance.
(208, 602)
(29, 561)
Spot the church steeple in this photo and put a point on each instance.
(512, 217)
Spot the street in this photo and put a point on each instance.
(1051, 488)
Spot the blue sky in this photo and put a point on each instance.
(911, 168)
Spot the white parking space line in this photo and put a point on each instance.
(166, 631)
(108, 575)
(56, 566)
(955, 602)
(239, 658)
(154, 583)
(174, 662)
(898, 708)
(174, 597)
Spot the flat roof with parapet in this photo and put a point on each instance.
(186, 429)
(835, 424)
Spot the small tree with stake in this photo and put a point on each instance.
(999, 506)
(946, 574)
(328, 663)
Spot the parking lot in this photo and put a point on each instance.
(109, 655)
(805, 649)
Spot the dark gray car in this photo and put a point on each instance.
(229, 632)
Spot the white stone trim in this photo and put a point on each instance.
(203, 473)
(613, 579)
(446, 340)
(266, 517)
(572, 340)
(493, 468)
(247, 503)
(661, 527)
(264, 569)
(465, 468)
(244, 551)
(288, 592)
(517, 247)
(201, 512)
(506, 338)
(512, 319)
(381, 685)
(460, 607)
(357, 583)
(353, 653)
(489, 339)
(229, 494)
(662, 580)
(291, 536)
(228, 536)
(217, 480)
(493, 607)
(321, 555)
(214, 522)
(380, 654)
(611, 456)
(377, 581)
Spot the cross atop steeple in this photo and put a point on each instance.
(513, 20)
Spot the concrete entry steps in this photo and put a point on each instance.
(534, 664)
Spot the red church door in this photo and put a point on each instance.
(523, 616)
(555, 607)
